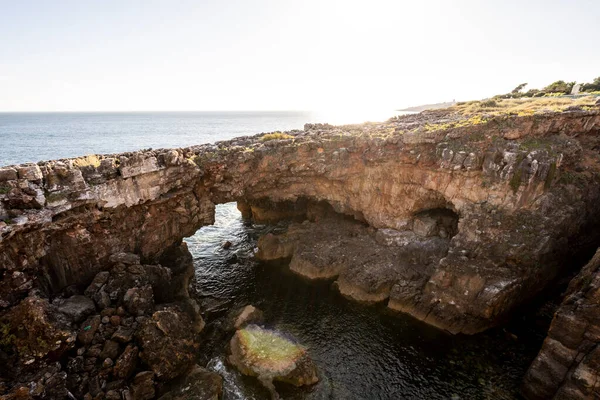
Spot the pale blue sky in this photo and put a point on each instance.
(279, 54)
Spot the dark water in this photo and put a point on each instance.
(362, 352)
(32, 137)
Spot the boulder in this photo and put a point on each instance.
(36, 329)
(245, 316)
(143, 386)
(198, 384)
(126, 362)
(168, 343)
(77, 307)
(110, 350)
(270, 356)
(139, 301)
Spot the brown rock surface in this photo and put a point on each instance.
(568, 365)
(168, 343)
(523, 188)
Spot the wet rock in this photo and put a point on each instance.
(198, 384)
(245, 316)
(168, 343)
(226, 244)
(143, 386)
(270, 356)
(126, 362)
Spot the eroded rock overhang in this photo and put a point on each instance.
(523, 188)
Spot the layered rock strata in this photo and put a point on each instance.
(568, 365)
(523, 188)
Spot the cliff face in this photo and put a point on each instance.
(521, 188)
(568, 365)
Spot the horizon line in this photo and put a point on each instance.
(146, 111)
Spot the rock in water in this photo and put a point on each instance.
(248, 315)
(269, 356)
(198, 384)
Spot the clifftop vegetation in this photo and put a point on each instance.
(558, 88)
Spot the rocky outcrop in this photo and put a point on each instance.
(568, 365)
(113, 340)
(523, 189)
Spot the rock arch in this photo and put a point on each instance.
(61, 220)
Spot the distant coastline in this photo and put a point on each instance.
(434, 106)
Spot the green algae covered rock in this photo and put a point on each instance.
(270, 356)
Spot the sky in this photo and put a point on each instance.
(286, 55)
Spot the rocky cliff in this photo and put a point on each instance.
(521, 189)
(568, 365)
(497, 203)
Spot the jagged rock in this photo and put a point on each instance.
(366, 264)
(110, 350)
(139, 301)
(35, 329)
(88, 329)
(382, 174)
(269, 356)
(126, 362)
(245, 316)
(168, 343)
(568, 365)
(102, 298)
(123, 334)
(198, 384)
(77, 307)
(99, 281)
(143, 386)
(125, 258)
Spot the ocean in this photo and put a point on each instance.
(33, 137)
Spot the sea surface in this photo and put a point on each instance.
(33, 137)
(361, 352)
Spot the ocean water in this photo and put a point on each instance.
(33, 137)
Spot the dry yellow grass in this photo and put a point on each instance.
(275, 136)
(523, 106)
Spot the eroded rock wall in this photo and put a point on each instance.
(521, 186)
(568, 365)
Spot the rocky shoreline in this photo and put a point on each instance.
(455, 220)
